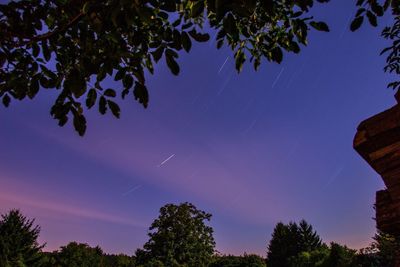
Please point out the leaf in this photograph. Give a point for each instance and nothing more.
(187, 25)
(33, 88)
(197, 8)
(75, 83)
(320, 26)
(360, 11)
(385, 50)
(120, 74)
(102, 105)
(372, 19)
(199, 37)
(240, 59)
(62, 121)
(35, 50)
(186, 42)
(356, 23)
(171, 63)
(109, 92)
(79, 123)
(115, 110)
(6, 100)
(277, 54)
(91, 98)
(229, 24)
(46, 51)
(360, 2)
(124, 93)
(257, 63)
(177, 40)
(157, 54)
(127, 81)
(377, 9)
(141, 94)
(294, 47)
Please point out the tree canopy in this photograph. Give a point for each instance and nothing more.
(18, 241)
(74, 46)
(370, 10)
(289, 240)
(75, 255)
(179, 236)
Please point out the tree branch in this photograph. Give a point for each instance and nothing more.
(50, 34)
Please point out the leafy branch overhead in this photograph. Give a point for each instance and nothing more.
(372, 9)
(74, 46)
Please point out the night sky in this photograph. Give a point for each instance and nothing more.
(252, 149)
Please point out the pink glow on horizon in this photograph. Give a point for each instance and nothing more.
(65, 209)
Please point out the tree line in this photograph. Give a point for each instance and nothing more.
(181, 237)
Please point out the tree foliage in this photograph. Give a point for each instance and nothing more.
(382, 252)
(18, 241)
(76, 254)
(247, 260)
(74, 46)
(372, 9)
(179, 237)
(289, 240)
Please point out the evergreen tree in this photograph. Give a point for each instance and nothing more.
(288, 241)
(309, 239)
(18, 241)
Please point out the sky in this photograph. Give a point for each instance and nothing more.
(252, 149)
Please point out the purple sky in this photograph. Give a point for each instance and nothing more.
(252, 149)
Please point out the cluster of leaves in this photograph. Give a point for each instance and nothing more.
(373, 9)
(18, 241)
(74, 46)
(179, 236)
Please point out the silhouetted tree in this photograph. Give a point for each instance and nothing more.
(313, 258)
(288, 241)
(18, 241)
(74, 46)
(76, 255)
(382, 252)
(309, 239)
(179, 237)
(340, 256)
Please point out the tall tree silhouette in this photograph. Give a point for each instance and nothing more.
(288, 241)
(179, 236)
(18, 241)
